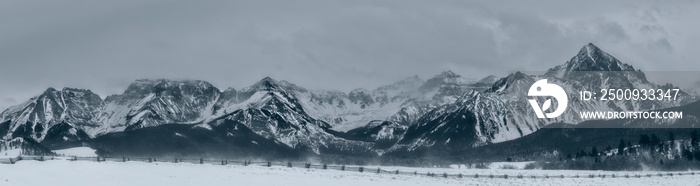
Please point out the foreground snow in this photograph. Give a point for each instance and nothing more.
(89, 173)
(11, 153)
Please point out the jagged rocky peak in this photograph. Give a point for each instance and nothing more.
(76, 90)
(590, 58)
(270, 84)
(142, 86)
(90, 99)
(152, 102)
(53, 105)
(266, 83)
(49, 92)
(168, 87)
(68, 93)
(593, 68)
(510, 80)
(34, 117)
(444, 78)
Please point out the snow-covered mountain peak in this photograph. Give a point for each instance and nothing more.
(36, 117)
(514, 82)
(53, 93)
(266, 83)
(152, 102)
(75, 90)
(49, 90)
(165, 87)
(141, 86)
(589, 58)
(270, 84)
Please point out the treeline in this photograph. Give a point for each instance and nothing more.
(649, 152)
(8, 145)
(27, 147)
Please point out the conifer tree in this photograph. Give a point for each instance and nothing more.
(621, 148)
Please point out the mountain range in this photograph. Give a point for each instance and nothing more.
(276, 118)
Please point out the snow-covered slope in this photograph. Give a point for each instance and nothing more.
(401, 102)
(40, 114)
(476, 119)
(153, 102)
(273, 111)
(145, 103)
(502, 112)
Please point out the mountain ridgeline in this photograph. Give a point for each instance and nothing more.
(277, 119)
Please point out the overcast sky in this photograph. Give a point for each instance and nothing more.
(342, 45)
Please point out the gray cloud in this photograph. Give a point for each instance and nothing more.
(104, 45)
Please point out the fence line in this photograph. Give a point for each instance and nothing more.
(377, 170)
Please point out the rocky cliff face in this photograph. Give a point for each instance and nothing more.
(36, 117)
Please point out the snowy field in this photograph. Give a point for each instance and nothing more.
(77, 151)
(90, 173)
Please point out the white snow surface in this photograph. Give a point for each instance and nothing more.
(11, 153)
(53, 172)
(77, 151)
